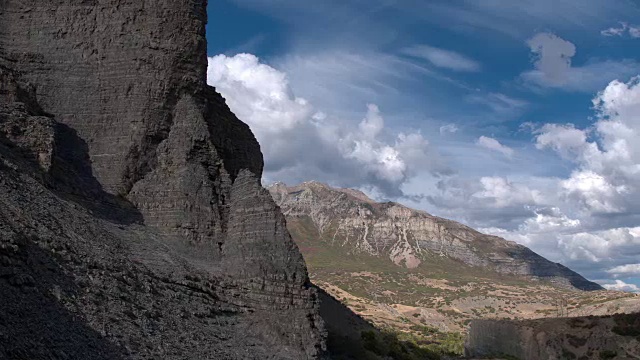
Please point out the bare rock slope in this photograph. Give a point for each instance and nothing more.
(410, 238)
(132, 219)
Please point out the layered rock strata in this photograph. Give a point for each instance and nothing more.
(408, 237)
(132, 219)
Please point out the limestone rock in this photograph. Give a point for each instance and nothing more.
(348, 218)
(132, 219)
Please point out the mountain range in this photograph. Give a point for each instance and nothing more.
(419, 274)
(349, 220)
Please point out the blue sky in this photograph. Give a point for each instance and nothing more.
(507, 118)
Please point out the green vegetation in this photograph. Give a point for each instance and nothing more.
(387, 344)
(441, 291)
(399, 345)
(424, 343)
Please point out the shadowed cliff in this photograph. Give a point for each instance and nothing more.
(133, 218)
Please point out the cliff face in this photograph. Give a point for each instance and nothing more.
(605, 337)
(349, 219)
(132, 217)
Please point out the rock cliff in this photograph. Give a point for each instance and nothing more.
(132, 219)
(604, 337)
(410, 238)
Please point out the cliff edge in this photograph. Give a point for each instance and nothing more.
(132, 219)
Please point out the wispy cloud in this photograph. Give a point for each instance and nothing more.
(519, 20)
(500, 104)
(448, 129)
(494, 145)
(624, 29)
(443, 58)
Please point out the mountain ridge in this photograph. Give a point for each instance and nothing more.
(404, 233)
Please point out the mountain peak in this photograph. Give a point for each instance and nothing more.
(410, 237)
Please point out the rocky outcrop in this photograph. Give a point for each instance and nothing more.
(606, 337)
(132, 219)
(347, 218)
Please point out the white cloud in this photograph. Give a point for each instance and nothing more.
(448, 129)
(372, 124)
(558, 237)
(501, 104)
(504, 193)
(552, 56)
(553, 66)
(589, 77)
(494, 145)
(627, 269)
(443, 58)
(568, 141)
(475, 18)
(615, 31)
(258, 94)
(594, 192)
(609, 165)
(619, 285)
(632, 30)
(587, 219)
(609, 246)
(301, 142)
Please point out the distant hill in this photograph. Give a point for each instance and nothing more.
(326, 220)
(423, 277)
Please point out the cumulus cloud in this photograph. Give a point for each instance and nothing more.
(494, 145)
(504, 193)
(257, 93)
(587, 219)
(568, 141)
(552, 56)
(552, 60)
(627, 269)
(561, 238)
(491, 201)
(542, 231)
(594, 192)
(608, 171)
(443, 58)
(301, 142)
(619, 285)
